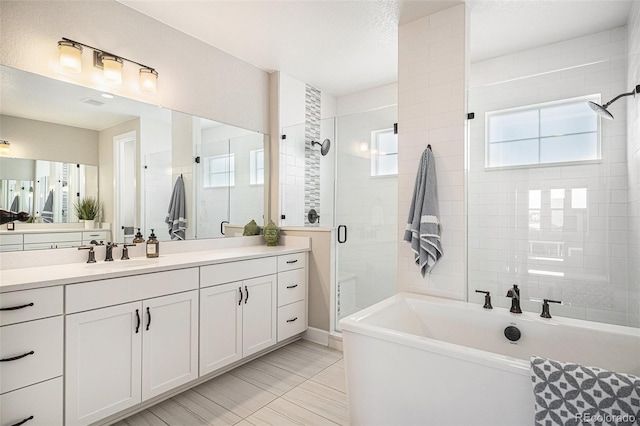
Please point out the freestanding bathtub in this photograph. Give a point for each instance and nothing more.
(420, 360)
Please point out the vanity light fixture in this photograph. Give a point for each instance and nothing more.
(111, 65)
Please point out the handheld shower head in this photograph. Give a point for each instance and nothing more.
(601, 110)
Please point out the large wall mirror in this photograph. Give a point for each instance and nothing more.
(75, 142)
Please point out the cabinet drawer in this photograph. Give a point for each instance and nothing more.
(291, 286)
(30, 304)
(236, 271)
(292, 320)
(41, 341)
(291, 261)
(10, 239)
(98, 294)
(54, 237)
(11, 247)
(42, 401)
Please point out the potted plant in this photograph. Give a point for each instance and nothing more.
(87, 209)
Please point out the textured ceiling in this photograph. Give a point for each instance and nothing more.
(342, 47)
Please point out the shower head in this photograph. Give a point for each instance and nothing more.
(324, 146)
(601, 110)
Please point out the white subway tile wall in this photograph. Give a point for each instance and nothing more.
(633, 163)
(556, 231)
(431, 110)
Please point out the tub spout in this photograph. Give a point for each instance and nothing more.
(514, 294)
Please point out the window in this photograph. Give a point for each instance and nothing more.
(256, 167)
(553, 132)
(219, 171)
(384, 153)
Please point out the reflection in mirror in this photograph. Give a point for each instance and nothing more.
(50, 120)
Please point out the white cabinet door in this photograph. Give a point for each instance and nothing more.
(258, 314)
(103, 356)
(169, 342)
(220, 326)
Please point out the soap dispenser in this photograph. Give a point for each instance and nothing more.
(153, 246)
(138, 237)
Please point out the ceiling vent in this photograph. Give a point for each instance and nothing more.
(91, 101)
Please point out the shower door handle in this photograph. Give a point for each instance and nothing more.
(222, 226)
(343, 239)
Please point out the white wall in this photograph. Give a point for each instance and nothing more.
(633, 163)
(587, 245)
(233, 91)
(39, 140)
(367, 100)
(431, 110)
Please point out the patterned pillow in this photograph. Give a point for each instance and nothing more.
(571, 394)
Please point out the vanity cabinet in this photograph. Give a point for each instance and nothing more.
(237, 319)
(119, 356)
(31, 349)
(292, 295)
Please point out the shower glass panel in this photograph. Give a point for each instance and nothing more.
(215, 176)
(292, 166)
(157, 194)
(366, 210)
(551, 214)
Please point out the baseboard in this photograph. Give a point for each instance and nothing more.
(335, 341)
(316, 335)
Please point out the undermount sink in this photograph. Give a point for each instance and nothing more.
(117, 264)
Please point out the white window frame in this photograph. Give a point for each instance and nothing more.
(229, 171)
(594, 98)
(375, 154)
(256, 168)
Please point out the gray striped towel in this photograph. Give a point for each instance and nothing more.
(177, 215)
(423, 225)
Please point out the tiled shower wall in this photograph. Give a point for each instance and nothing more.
(431, 107)
(311, 152)
(575, 253)
(633, 162)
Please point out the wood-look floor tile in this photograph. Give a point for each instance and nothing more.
(206, 409)
(301, 360)
(143, 418)
(332, 376)
(268, 377)
(306, 347)
(175, 414)
(322, 400)
(236, 395)
(284, 413)
(244, 423)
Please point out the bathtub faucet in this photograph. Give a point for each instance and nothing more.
(514, 294)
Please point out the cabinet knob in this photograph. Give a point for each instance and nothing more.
(292, 286)
(13, 308)
(292, 320)
(15, 358)
(23, 421)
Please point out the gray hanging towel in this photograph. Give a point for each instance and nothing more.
(573, 394)
(423, 225)
(177, 215)
(15, 205)
(47, 210)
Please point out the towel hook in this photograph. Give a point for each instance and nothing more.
(429, 147)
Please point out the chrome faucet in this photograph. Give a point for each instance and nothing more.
(109, 252)
(514, 294)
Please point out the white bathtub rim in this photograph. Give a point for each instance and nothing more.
(355, 324)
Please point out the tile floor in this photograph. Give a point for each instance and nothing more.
(300, 384)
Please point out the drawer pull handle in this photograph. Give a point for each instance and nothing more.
(138, 321)
(148, 318)
(240, 301)
(292, 320)
(17, 357)
(292, 261)
(24, 421)
(13, 308)
(246, 294)
(292, 286)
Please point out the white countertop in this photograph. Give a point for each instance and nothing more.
(46, 276)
